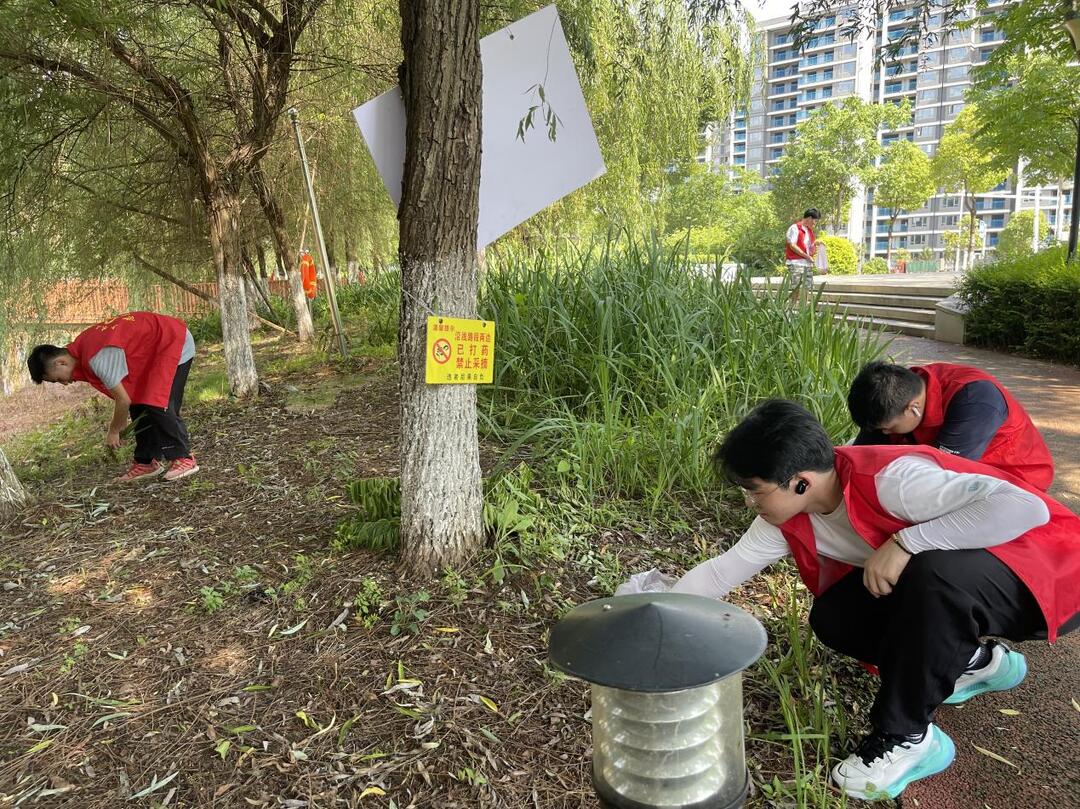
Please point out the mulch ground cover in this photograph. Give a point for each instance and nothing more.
(197, 644)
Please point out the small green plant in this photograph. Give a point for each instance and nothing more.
(70, 624)
(73, 657)
(368, 602)
(409, 614)
(356, 533)
(251, 475)
(470, 776)
(875, 266)
(245, 574)
(455, 587)
(211, 600)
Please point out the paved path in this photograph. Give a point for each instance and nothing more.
(1043, 740)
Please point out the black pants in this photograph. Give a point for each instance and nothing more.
(160, 433)
(923, 634)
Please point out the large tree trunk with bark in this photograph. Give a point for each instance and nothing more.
(12, 493)
(441, 496)
(275, 218)
(224, 210)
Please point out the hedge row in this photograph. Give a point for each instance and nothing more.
(1030, 305)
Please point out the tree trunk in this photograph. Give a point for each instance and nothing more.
(275, 218)
(969, 201)
(441, 497)
(352, 266)
(224, 241)
(12, 493)
(888, 242)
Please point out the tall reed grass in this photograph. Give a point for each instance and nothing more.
(624, 364)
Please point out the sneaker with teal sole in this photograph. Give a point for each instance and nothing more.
(1005, 670)
(884, 765)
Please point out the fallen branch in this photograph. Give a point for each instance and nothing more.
(198, 293)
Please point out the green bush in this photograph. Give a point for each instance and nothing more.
(1029, 304)
(875, 266)
(842, 255)
(206, 328)
(707, 241)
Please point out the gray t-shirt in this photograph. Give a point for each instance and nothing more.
(110, 363)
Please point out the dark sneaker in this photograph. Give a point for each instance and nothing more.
(885, 764)
(1006, 669)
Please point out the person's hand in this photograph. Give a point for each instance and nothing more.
(883, 568)
(112, 439)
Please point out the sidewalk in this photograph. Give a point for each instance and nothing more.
(1043, 740)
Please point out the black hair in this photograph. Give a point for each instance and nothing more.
(39, 359)
(776, 441)
(880, 393)
(811, 213)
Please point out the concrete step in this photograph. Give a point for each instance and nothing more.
(895, 313)
(870, 299)
(889, 324)
(940, 289)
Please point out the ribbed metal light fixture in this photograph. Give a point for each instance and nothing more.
(667, 707)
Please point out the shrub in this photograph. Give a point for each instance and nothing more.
(702, 241)
(842, 255)
(1029, 304)
(206, 328)
(875, 266)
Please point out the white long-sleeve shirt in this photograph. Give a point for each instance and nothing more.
(948, 511)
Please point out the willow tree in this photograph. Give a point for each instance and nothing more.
(209, 80)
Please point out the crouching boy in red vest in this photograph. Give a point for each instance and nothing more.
(956, 408)
(141, 361)
(913, 556)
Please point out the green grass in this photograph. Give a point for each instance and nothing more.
(624, 366)
(58, 453)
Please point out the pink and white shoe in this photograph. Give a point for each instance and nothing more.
(181, 468)
(140, 472)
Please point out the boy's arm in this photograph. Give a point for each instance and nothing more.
(760, 546)
(972, 419)
(955, 510)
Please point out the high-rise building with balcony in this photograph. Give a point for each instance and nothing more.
(935, 78)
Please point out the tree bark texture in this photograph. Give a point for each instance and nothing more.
(12, 493)
(225, 243)
(441, 496)
(275, 218)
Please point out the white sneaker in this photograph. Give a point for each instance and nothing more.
(1005, 670)
(884, 764)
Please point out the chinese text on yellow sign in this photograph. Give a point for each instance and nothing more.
(459, 351)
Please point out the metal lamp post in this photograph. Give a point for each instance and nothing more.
(667, 707)
(1072, 25)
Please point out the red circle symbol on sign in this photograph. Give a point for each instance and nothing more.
(441, 351)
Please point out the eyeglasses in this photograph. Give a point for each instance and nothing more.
(758, 497)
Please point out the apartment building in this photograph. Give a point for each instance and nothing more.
(793, 82)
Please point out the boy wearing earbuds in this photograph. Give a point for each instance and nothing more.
(956, 408)
(913, 556)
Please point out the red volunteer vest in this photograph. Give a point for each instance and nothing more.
(805, 241)
(152, 346)
(1017, 448)
(1046, 559)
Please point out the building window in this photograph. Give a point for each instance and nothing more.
(927, 96)
(925, 114)
(957, 55)
(955, 93)
(956, 73)
(989, 35)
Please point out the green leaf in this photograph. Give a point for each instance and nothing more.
(222, 748)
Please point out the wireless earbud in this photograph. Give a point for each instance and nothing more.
(915, 410)
(800, 487)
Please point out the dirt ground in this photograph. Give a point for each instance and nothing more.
(197, 644)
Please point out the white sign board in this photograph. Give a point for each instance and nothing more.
(518, 178)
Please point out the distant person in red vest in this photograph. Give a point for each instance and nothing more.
(141, 361)
(800, 250)
(956, 408)
(914, 558)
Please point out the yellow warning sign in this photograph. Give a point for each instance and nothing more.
(460, 351)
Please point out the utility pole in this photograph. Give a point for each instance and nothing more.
(331, 293)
